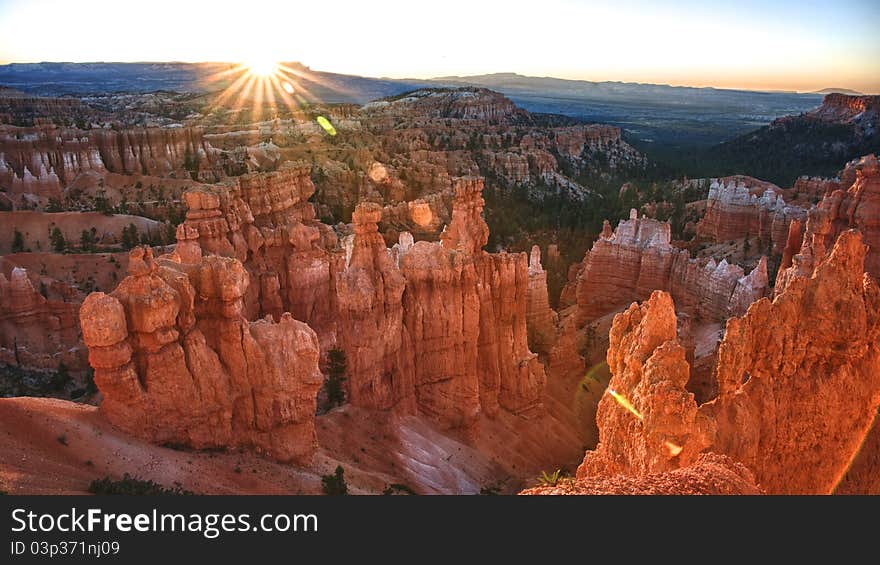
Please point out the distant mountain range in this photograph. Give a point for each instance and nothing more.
(656, 118)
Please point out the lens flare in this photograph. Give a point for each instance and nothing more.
(325, 123)
(849, 463)
(622, 400)
(673, 448)
(288, 88)
(377, 172)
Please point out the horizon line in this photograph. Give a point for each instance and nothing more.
(820, 91)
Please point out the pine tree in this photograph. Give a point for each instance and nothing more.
(337, 365)
(334, 484)
(57, 239)
(130, 236)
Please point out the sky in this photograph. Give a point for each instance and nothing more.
(802, 45)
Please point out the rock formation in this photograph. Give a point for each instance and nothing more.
(747, 208)
(435, 328)
(264, 220)
(798, 379)
(459, 103)
(410, 147)
(177, 363)
(36, 331)
(845, 108)
(710, 474)
(638, 258)
(369, 294)
(465, 311)
(27, 160)
(857, 207)
(540, 318)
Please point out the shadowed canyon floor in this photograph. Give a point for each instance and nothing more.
(72, 444)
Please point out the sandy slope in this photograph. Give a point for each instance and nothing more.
(54, 446)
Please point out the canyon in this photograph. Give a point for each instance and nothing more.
(207, 277)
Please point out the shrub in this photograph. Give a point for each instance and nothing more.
(334, 484)
(398, 488)
(132, 486)
(552, 479)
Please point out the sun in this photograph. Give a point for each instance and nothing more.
(262, 67)
(264, 85)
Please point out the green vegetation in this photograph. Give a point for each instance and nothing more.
(337, 365)
(57, 240)
(102, 204)
(132, 486)
(54, 205)
(88, 240)
(23, 381)
(553, 479)
(779, 153)
(334, 484)
(398, 488)
(130, 236)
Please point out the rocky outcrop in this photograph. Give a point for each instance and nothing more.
(52, 157)
(845, 108)
(369, 296)
(436, 328)
(177, 363)
(36, 331)
(266, 221)
(465, 311)
(857, 207)
(747, 208)
(798, 378)
(409, 147)
(67, 152)
(460, 103)
(540, 318)
(638, 258)
(710, 474)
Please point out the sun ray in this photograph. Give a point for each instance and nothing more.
(265, 87)
(259, 81)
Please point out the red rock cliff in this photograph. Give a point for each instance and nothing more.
(799, 384)
(638, 258)
(857, 207)
(177, 362)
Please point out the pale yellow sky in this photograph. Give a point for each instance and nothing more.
(788, 45)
